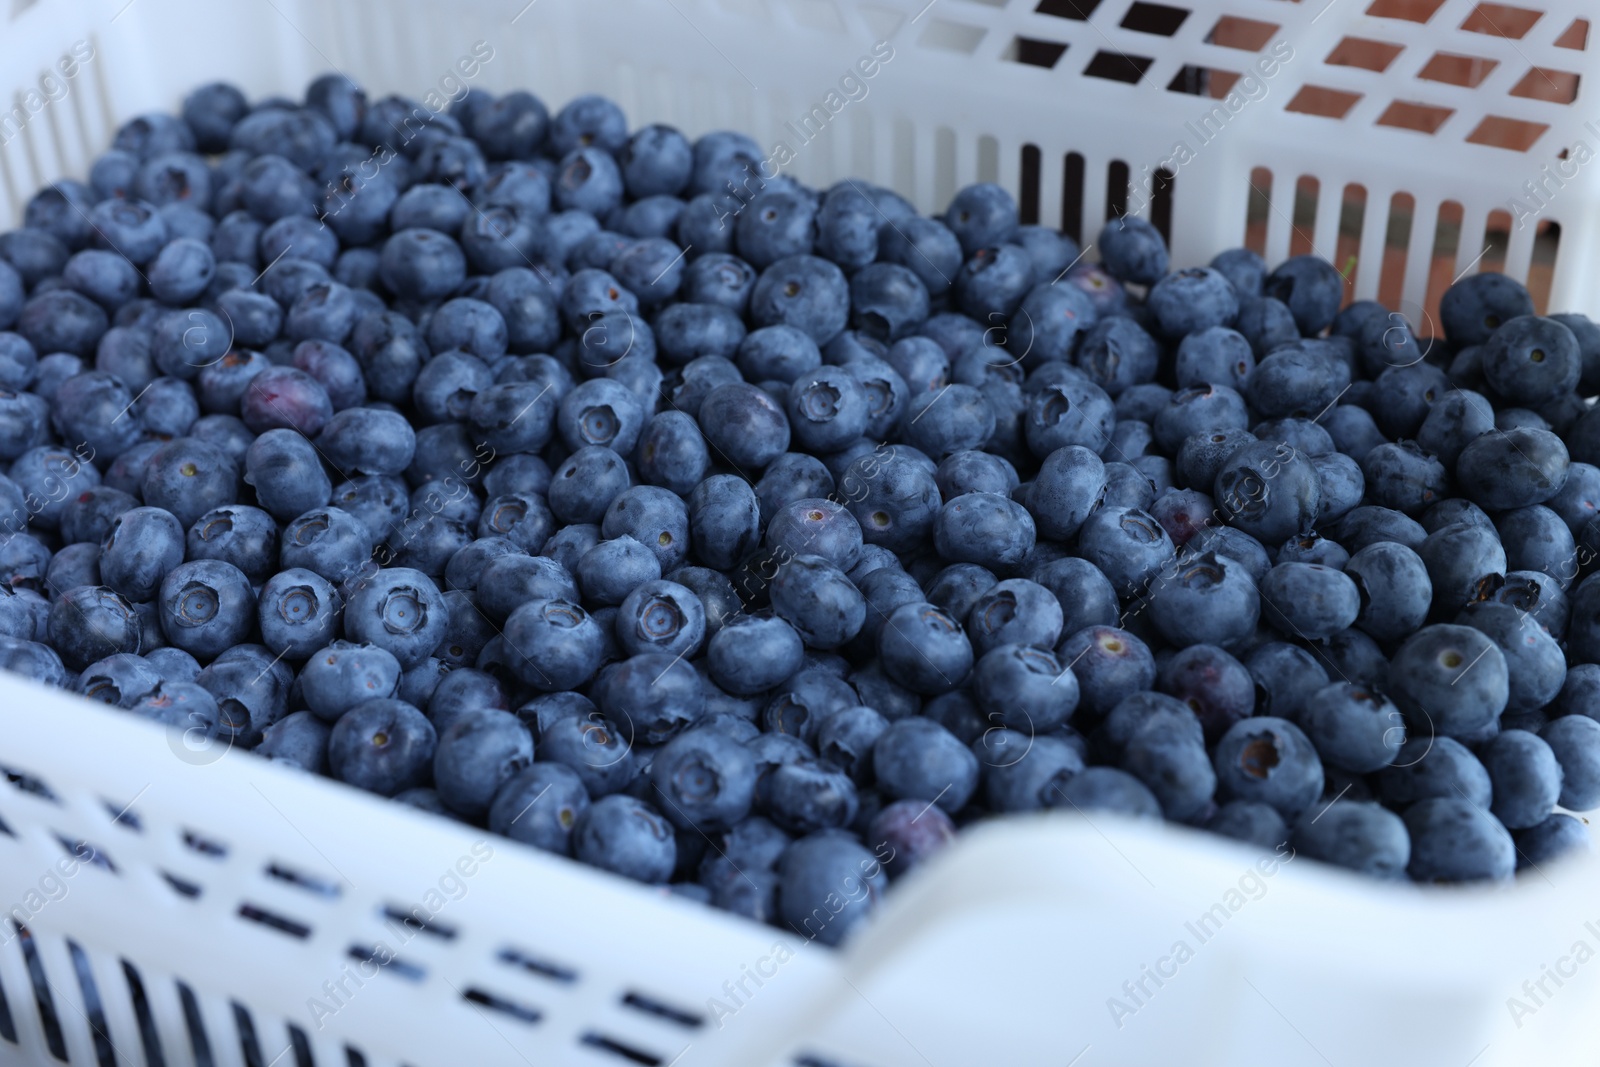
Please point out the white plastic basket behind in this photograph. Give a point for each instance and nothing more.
(197, 907)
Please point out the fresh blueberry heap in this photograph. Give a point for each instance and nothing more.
(728, 534)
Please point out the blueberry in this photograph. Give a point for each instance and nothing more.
(1450, 680)
(1512, 468)
(828, 885)
(1269, 760)
(655, 517)
(555, 644)
(1535, 665)
(142, 545)
(1575, 741)
(1311, 288)
(1109, 664)
(1174, 767)
(924, 649)
(625, 836)
(299, 612)
(1204, 596)
(1107, 789)
(743, 425)
(802, 291)
(1454, 840)
(384, 746)
(343, 674)
(1250, 821)
(703, 780)
(981, 216)
(1132, 250)
(329, 541)
(540, 805)
(1190, 301)
(299, 739)
(1559, 835)
(188, 478)
(986, 529)
(120, 680)
(286, 473)
(1473, 308)
(1269, 490)
(422, 264)
(239, 535)
(1128, 546)
(477, 754)
(1309, 600)
(399, 610)
(1394, 588)
(1359, 835)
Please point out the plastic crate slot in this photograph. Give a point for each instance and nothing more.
(1028, 185)
(5, 829)
(1159, 19)
(1407, 115)
(249, 1045)
(1501, 20)
(1257, 206)
(310, 883)
(1546, 250)
(1551, 86)
(27, 783)
(1077, 10)
(1072, 196)
(1303, 217)
(8, 1025)
(1365, 53)
(1397, 246)
(93, 1008)
(946, 36)
(84, 852)
(414, 925)
(46, 1004)
(1575, 36)
(1453, 68)
(1247, 35)
(661, 1010)
(1117, 67)
(1162, 197)
(811, 1059)
(409, 971)
(1201, 81)
(503, 1005)
(302, 1047)
(199, 1040)
(1324, 102)
(617, 1048)
(544, 968)
(1352, 220)
(353, 1057)
(149, 1038)
(1118, 174)
(1405, 10)
(204, 845)
(1033, 52)
(182, 886)
(124, 815)
(274, 921)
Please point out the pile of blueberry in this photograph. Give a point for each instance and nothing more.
(600, 489)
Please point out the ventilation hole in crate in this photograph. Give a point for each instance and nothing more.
(1552, 86)
(1575, 36)
(652, 1006)
(148, 1037)
(1454, 69)
(1347, 248)
(1077, 10)
(1028, 185)
(387, 961)
(1258, 205)
(1072, 196)
(988, 159)
(1249, 35)
(944, 165)
(1364, 53)
(204, 846)
(1447, 242)
(275, 921)
(27, 783)
(6, 829)
(413, 924)
(1501, 20)
(93, 1008)
(124, 815)
(1158, 19)
(310, 883)
(1541, 272)
(84, 852)
(1199, 81)
(1117, 67)
(811, 1059)
(1116, 205)
(182, 886)
(542, 967)
(951, 37)
(302, 1047)
(1423, 118)
(1161, 201)
(199, 1040)
(8, 1025)
(1407, 10)
(249, 1045)
(1396, 243)
(1499, 132)
(1303, 217)
(1033, 53)
(503, 1005)
(353, 1057)
(41, 993)
(1322, 101)
(1496, 242)
(617, 1048)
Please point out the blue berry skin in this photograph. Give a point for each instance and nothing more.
(743, 425)
(47, 476)
(1309, 600)
(672, 453)
(343, 674)
(1535, 664)
(802, 794)
(917, 759)
(1015, 611)
(611, 570)
(894, 498)
(181, 271)
(476, 755)
(329, 541)
(1269, 760)
(986, 529)
(1355, 728)
(1394, 588)
(887, 301)
(827, 409)
(1109, 664)
(656, 161)
(1269, 490)
(167, 407)
(1454, 840)
(661, 617)
(1211, 683)
(1459, 557)
(509, 582)
(816, 527)
(120, 680)
(958, 587)
(299, 612)
(974, 472)
(982, 215)
(828, 885)
(924, 246)
(286, 473)
(586, 483)
(540, 805)
(724, 521)
(845, 739)
(1214, 354)
(131, 228)
(1069, 413)
(1251, 822)
(955, 418)
(1107, 789)
(1579, 499)
(924, 649)
(655, 517)
(1206, 408)
(593, 749)
(818, 600)
(1358, 835)
(1525, 775)
(802, 291)
(1575, 741)
(447, 385)
(1472, 309)
(1132, 250)
(383, 746)
(422, 265)
(73, 565)
(239, 535)
(1173, 766)
(1558, 837)
(1204, 596)
(626, 836)
(1536, 539)
(803, 701)
(207, 607)
(1128, 546)
(554, 644)
(1192, 300)
(751, 655)
(1450, 680)
(992, 282)
(1505, 469)
(703, 780)
(105, 277)
(1433, 767)
(1027, 687)
(397, 609)
(1022, 772)
(188, 478)
(142, 545)
(719, 278)
(1069, 486)
(249, 695)
(299, 739)
(461, 691)
(1299, 379)
(909, 833)
(1311, 288)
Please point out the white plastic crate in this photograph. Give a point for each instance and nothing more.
(237, 902)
